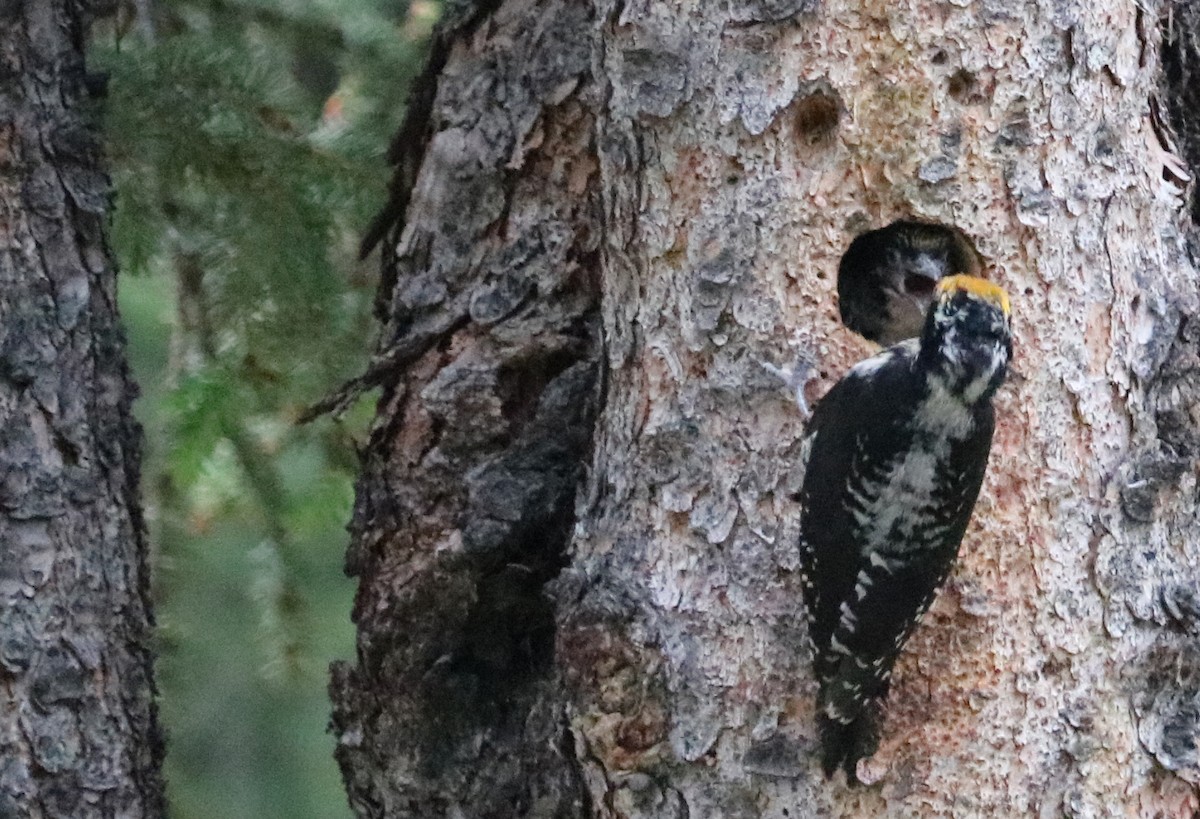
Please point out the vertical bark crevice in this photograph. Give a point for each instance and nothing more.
(1179, 53)
(1149, 581)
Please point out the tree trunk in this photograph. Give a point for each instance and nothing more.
(575, 537)
(78, 730)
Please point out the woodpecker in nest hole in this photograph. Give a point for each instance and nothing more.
(895, 454)
(887, 277)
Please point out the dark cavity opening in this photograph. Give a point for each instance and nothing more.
(887, 277)
(816, 115)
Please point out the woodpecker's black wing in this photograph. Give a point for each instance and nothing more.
(855, 427)
(892, 589)
(885, 502)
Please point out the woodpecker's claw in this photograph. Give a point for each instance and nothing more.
(795, 378)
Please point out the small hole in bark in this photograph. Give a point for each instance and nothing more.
(816, 117)
(961, 84)
(939, 57)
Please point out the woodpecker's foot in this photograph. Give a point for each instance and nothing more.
(796, 378)
(846, 745)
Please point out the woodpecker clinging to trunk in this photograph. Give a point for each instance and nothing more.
(895, 454)
(887, 277)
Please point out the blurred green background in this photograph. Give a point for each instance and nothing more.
(246, 140)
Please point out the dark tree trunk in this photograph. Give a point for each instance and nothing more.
(467, 496)
(1180, 93)
(613, 212)
(78, 730)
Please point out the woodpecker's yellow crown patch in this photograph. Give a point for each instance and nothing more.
(974, 286)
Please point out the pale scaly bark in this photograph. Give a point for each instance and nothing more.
(79, 736)
(740, 146)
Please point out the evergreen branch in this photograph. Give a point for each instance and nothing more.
(309, 28)
(414, 344)
(261, 474)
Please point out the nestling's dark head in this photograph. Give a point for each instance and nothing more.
(887, 277)
(968, 335)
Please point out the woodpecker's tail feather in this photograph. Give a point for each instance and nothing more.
(843, 744)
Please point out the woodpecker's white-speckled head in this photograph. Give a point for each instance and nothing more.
(967, 338)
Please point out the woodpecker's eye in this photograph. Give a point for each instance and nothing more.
(917, 285)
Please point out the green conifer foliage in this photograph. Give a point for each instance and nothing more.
(246, 142)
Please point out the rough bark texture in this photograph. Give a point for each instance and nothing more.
(466, 499)
(78, 731)
(734, 150)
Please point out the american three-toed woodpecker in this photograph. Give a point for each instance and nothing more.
(896, 453)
